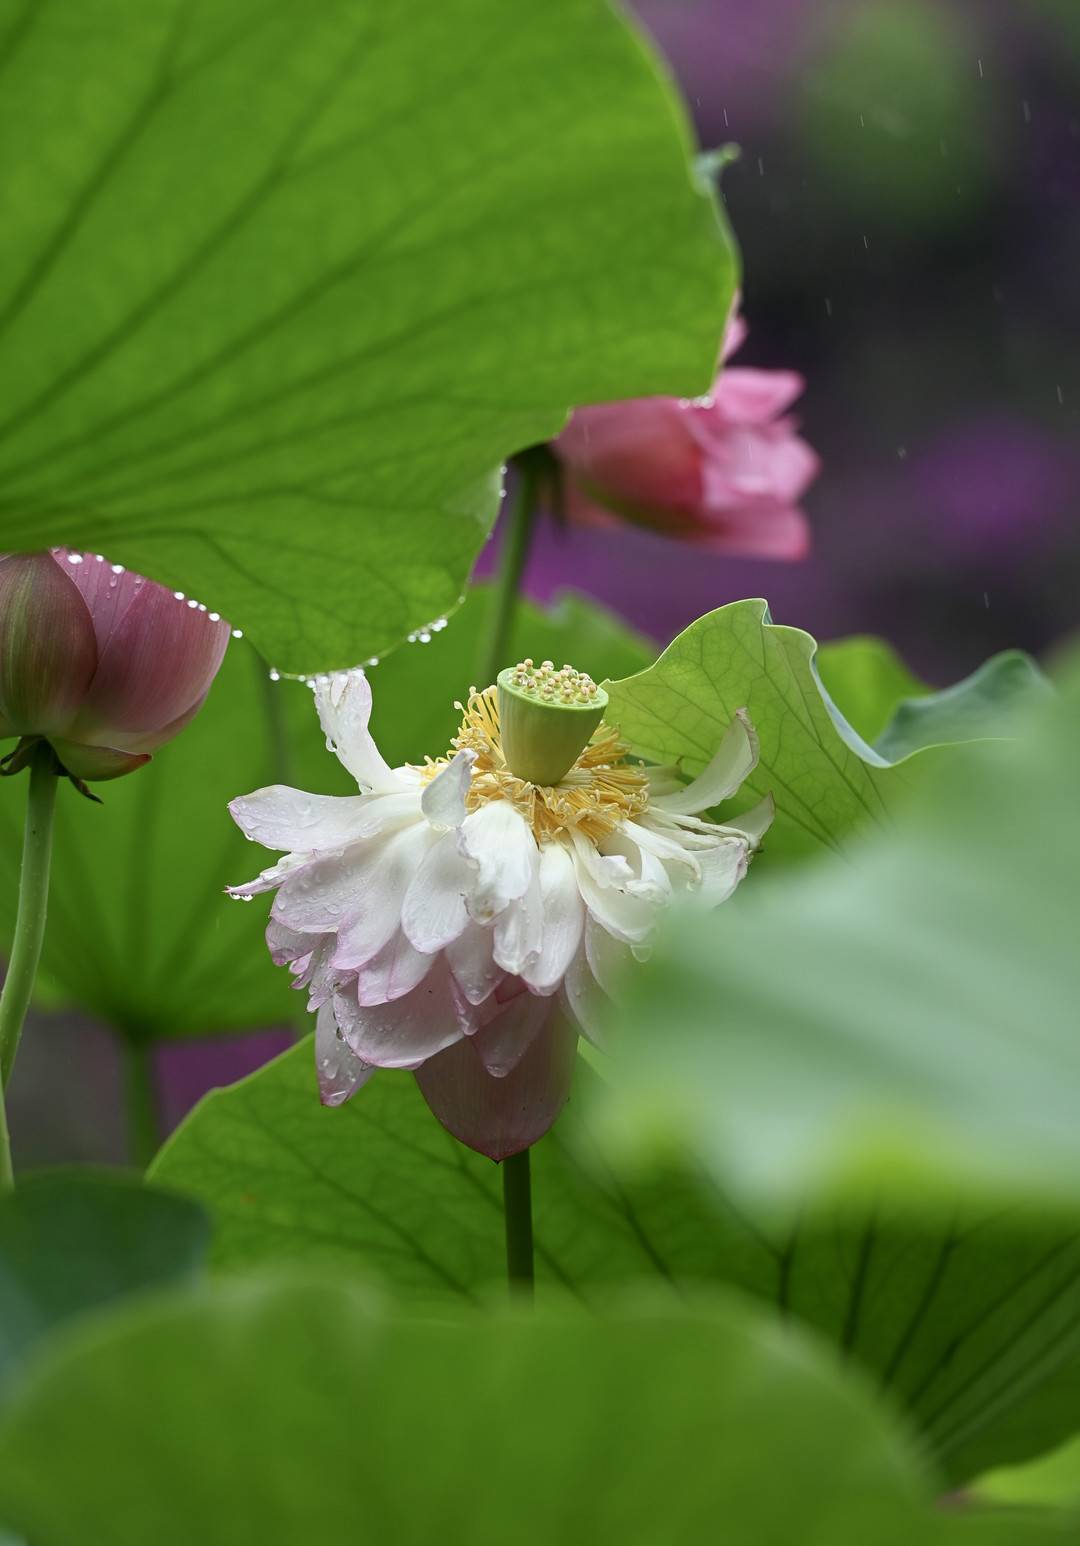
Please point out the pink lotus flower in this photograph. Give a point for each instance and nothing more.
(724, 471)
(100, 662)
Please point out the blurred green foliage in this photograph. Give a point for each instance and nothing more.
(893, 103)
(315, 1416)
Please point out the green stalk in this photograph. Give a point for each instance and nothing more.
(29, 924)
(141, 1102)
(521, 518)
(7, 1178)
(517, 1212)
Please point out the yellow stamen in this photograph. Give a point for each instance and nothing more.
(599, 793)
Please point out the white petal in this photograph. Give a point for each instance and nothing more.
(443, 801)
(319, 976)
(356, 895)
(664, 845)
(275, 876)
(472, 961)
(402, 1034)
(433, 910)
(609, 959)
(584, 1001)
(286, 944)
(755, 822)
(662, 781)
(564, 917)
(629, 918)
(343, 702)
(504, 1041)
(519, 928)
(650, 879)
(499, 844)
(735, 759)
(394, 971)
(722, 868)
(292, 821)
(340, 1072)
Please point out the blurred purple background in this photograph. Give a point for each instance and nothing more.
(907, 206)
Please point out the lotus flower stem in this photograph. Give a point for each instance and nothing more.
(517, 538)
(517, 1212)
(141, 1101)
(29, 923)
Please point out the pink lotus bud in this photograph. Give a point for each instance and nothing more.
(724, 471)
(102, 663)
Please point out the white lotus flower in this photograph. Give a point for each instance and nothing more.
(461, 922)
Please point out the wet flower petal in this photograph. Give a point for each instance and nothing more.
(471, 957)
(734, 761)
(468, 924)
(443, 801)
(499, 844)
(500, 1117)
(343, 703)
(564, 917)
(292, 821)
(406, 1031)
(433, 912)
(394, 971)
(340, 1072)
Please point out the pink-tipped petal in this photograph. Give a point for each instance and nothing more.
(763, 529)
(396, 970)
(340, 1072)
(401, 1034)
(501, 1117)
(48, 652)
(504, 1040)
(157, 663)
(744, 396)
(723, 471)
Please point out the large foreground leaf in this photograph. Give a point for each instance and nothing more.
(282, 285)
(294, 1412)
(961, 1319)
(823, 774)
(139, 931)
(72, 1241)
(902, 1022)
